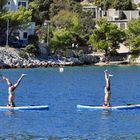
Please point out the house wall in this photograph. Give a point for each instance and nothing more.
(29, 31)
(136, 1)
(131, 14)
(12, 5)
(113, 14)
(121, 17)
(122, 24)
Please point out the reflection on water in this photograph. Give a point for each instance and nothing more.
(51, 137)
(21, 137)
(9, 112)
(105, 114)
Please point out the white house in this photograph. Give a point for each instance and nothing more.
(12, 5)
(136, 1)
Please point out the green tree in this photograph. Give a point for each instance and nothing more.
(2, 4)
(80, 26)
(106, 37)
(116, 4)
(78, 0)
(31, 48)
(87, 24)
(104, 4)
(2, 12)
(69, 5)
(61, 39)
(19, 19)
(33, 39)
(123, 4)
(133, 34)
(66, 19)
(40, 10)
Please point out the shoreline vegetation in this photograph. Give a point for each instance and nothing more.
(10, 58)
(69, 33)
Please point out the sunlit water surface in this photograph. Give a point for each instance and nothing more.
(62, 91)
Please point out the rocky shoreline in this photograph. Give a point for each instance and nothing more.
(9, 58)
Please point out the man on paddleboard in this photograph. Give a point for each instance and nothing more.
(107, 89)
(11, 89)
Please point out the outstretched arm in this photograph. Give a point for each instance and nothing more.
(19, 80)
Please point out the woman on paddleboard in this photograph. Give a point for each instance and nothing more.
(107, 89)
(11, 89)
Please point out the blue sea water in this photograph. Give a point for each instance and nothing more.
(62, 92)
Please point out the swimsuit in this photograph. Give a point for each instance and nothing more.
(11, 89)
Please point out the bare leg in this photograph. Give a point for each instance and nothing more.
(9, 83)
(106, 74)
(107, 90)
(107, 79)
(19, 80)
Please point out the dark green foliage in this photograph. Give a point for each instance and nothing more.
(122, 5)
(33, 39)
(62, 39)
(23, 54)
(30, 48)
(2, 3)
(104, 4)
(69, 5)
(133, 33)
(40, 10)
(66, 19)
(17, 20)
(87, 24)
(117, 4)
(106, 37)
(3, 28)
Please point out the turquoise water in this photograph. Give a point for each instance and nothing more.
(62, 92)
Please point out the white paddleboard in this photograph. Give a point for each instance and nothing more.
(44, 107)
(91, 107)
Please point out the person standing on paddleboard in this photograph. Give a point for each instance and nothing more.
(107, 89)
(11, 89)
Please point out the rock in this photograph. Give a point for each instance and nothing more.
(9, 58)
(89, 58)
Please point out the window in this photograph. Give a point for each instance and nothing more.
(25, 35)
(94, 14)
(22, 4)
(122, 25)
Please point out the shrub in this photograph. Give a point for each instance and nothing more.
(33, 39)
(31, 48)
(23, 54)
